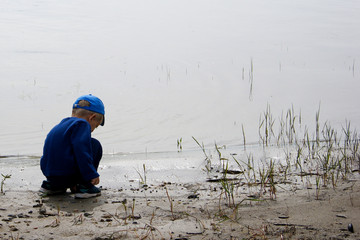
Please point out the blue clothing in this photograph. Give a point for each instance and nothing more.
(68, 151)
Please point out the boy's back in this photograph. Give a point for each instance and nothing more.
(61, 158)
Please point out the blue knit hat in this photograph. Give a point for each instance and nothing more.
(96, 105)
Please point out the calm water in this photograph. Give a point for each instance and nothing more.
(175, 69)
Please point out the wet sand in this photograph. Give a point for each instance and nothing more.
(195, 210)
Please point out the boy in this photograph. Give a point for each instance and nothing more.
(70, 155)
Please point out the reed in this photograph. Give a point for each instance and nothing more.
(317, 126)
(281, 132)
(347, 144)
(133, 209)
(317, 181)
(334, 178)
(323, 156)
(291, 125)
(125, 209)
(355, 147)
(266, 178)
(262, 176)
(250, 175)
(4, 177)
(299, 158)
(271, 181)
(151, 229)
(171, 204)
(179, 145)
(228, 187)
(308, 144)
(243, 134)
(142, 176)
(285, 170)
(325, 165)
(266, 123)
(221, 158)
(208, 164)
(251, 79)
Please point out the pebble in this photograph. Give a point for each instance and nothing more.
(21, 215)
(351, 228)
(193, 196)
(13, 228)
(88, 214)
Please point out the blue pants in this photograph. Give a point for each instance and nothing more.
(64, 182)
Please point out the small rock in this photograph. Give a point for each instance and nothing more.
(21, 215)
(88, 214)
(351, 228)
(193, 196)
(13, 228)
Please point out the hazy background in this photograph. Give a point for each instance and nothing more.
(171, 69)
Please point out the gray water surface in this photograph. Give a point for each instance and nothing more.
(175, 69)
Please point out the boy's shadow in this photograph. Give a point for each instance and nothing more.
(67, 203)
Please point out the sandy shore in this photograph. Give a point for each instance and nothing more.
(185, 211)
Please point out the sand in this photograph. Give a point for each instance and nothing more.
(186, 211)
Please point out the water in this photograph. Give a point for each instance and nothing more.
(132, 170)
(175, 69)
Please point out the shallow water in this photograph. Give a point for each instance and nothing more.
(175, 69)
(124, 171)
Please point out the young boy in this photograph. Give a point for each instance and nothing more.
(70, 155)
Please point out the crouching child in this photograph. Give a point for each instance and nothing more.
(71, 156)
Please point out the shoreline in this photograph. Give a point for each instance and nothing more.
(267, 193)
(185, 211)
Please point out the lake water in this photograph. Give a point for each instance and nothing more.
(167, 70)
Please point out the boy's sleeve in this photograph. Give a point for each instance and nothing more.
(81, 143)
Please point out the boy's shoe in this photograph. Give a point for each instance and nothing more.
(48, 190)
(83, 192)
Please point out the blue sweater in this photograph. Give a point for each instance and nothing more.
(67, 150)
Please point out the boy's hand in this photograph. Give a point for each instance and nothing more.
(95, 181)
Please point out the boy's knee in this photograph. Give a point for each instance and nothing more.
(96, 148)
(96, 144)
